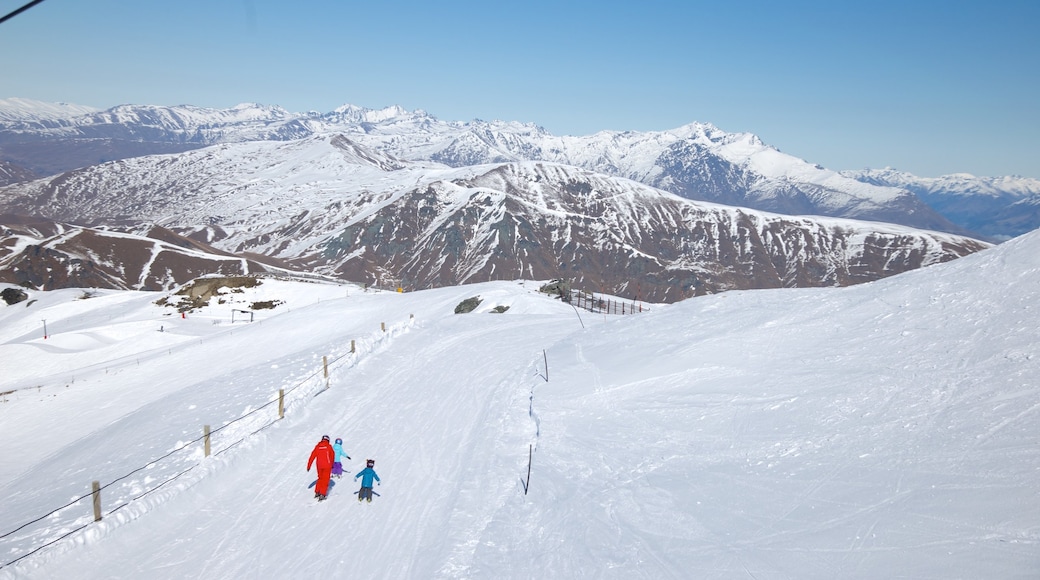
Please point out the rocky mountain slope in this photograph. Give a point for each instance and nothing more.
(332, 205)
(12, 173)
(43, 254)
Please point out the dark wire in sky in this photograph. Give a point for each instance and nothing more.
(19, 11)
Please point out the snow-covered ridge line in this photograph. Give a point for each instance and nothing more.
(15, 110)
(698, 160)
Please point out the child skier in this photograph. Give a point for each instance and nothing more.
(323, 455)
(337, 467)
(366, 476)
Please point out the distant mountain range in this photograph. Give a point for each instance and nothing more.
(391, 194)
(996, 208)
(697, 161)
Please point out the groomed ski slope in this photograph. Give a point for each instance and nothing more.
(888, 430)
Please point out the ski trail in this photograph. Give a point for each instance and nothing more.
(127, 499)
(381, 411)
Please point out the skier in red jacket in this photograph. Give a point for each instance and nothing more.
(324, 455)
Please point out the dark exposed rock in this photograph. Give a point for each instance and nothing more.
(13, 296)
(559, 288)
(265, 304)
(468, 305)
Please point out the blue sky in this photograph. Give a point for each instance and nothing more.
(923, 86)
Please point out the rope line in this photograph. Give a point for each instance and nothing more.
(79, 499)
(54, 541)
(131, 500)
(154, 461)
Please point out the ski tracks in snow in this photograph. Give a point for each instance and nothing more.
(138, 496)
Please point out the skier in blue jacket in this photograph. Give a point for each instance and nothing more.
(366, 476)
(337, 466)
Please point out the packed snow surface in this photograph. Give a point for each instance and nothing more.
(887, 430)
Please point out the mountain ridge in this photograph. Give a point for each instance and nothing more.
(333, 206)
(697, 160)
(43, 254)
(999, 208)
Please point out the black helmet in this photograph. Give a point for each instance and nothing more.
(324, 437)
(338, 440)
(370, 462)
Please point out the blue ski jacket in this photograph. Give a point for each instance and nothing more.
(338, 448)
(368, 474)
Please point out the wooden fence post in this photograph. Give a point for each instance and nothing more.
(205, 433)
(352, 350)
(383, 326)
(325, 365)
(281, 403)
(97, 500)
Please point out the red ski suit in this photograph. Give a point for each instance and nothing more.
(324, 455)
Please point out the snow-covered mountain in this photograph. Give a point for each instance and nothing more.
(532, 219)
(697, 161)
(997, 207)
(17, 110)
(701, 162)
(332, 205)
(884, 430)
(49, 144)
(146, 122)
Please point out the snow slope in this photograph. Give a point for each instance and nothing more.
(884, 430)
